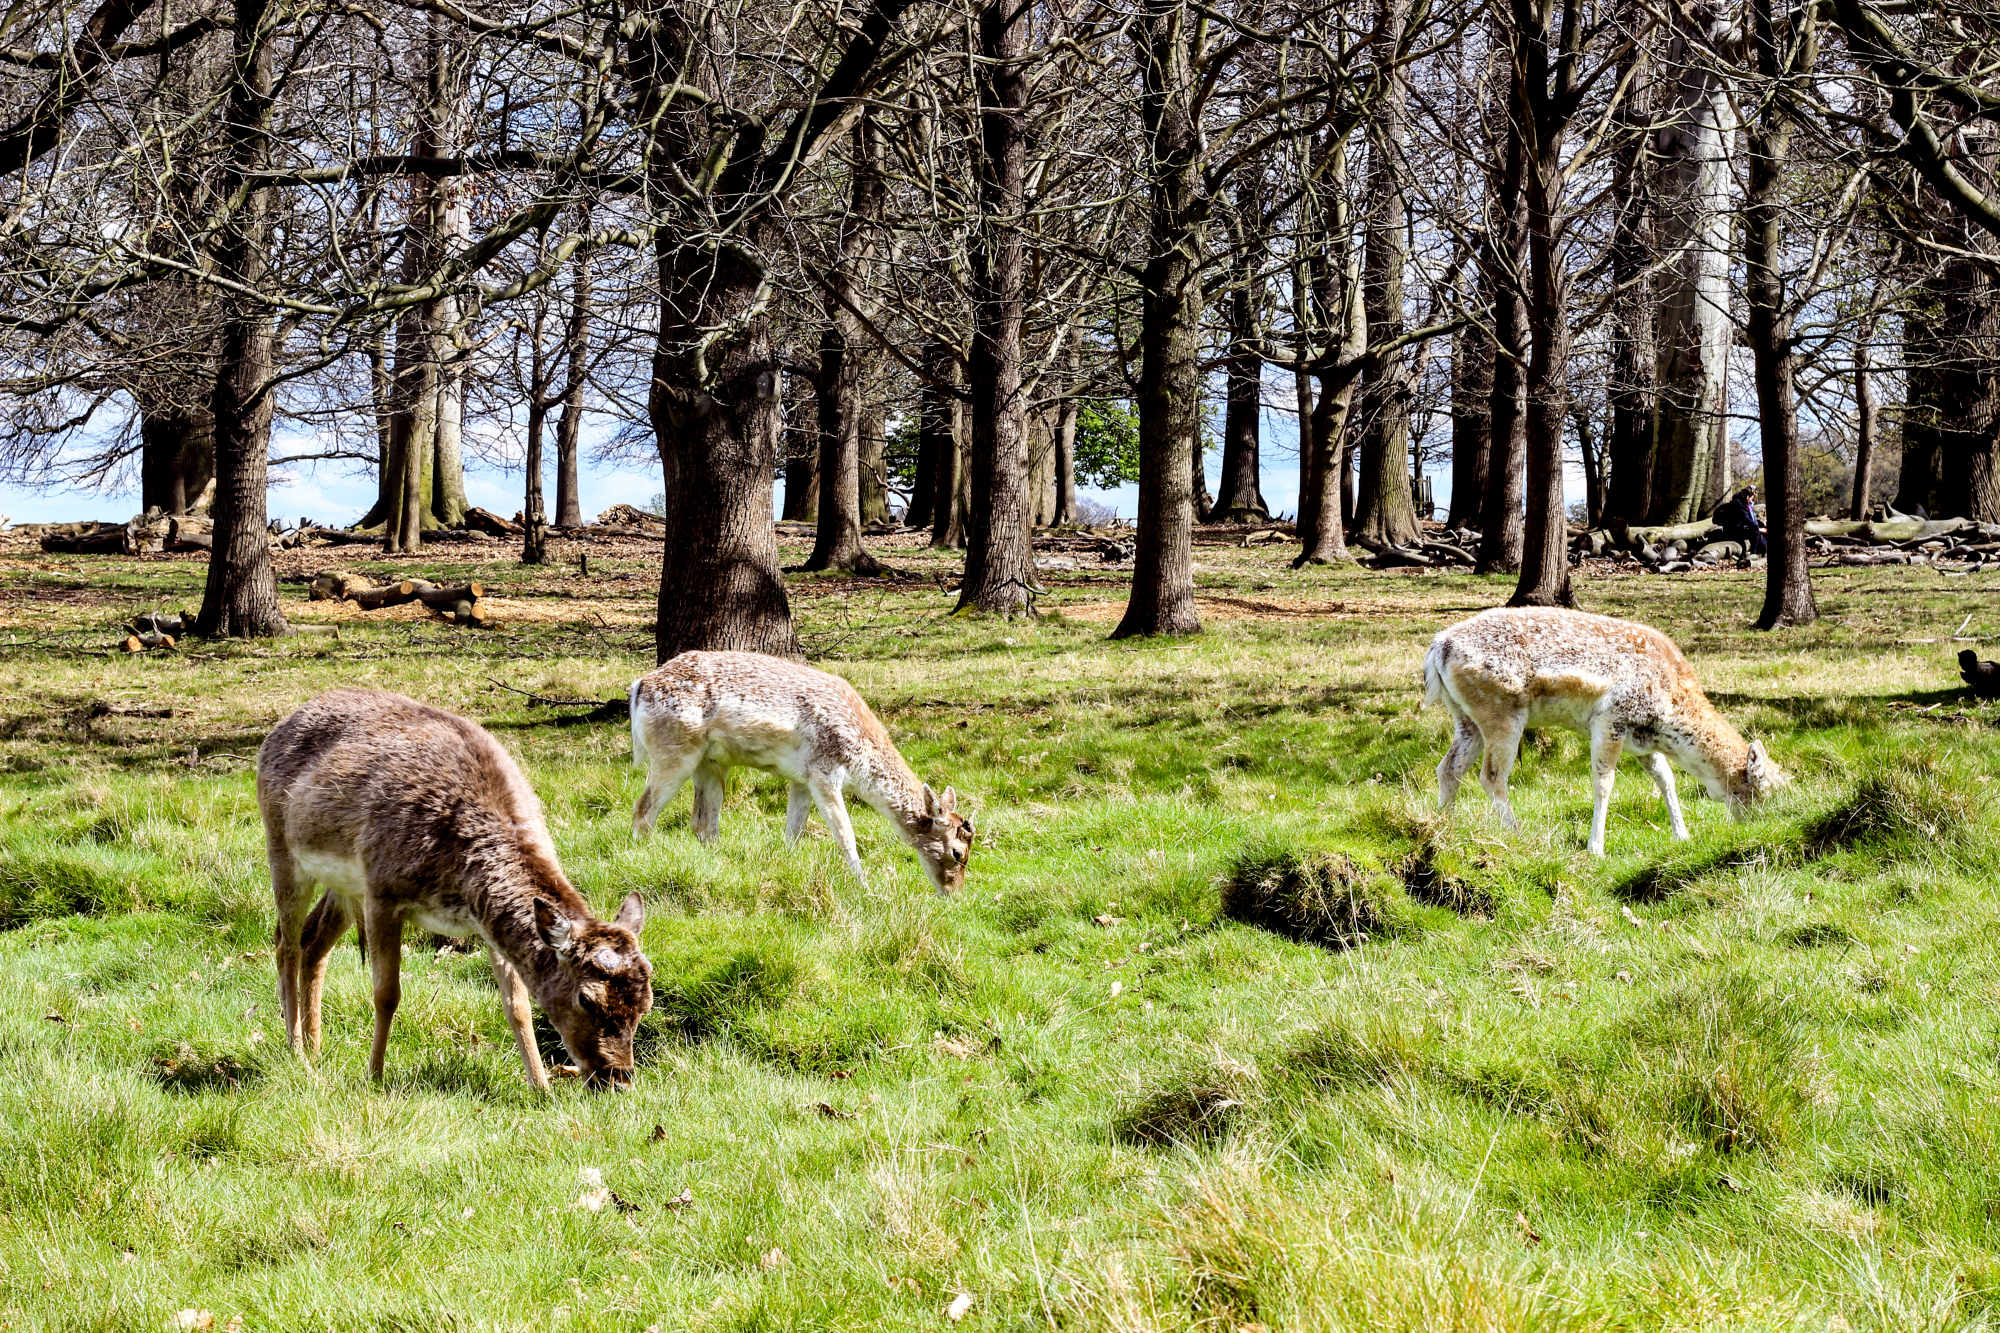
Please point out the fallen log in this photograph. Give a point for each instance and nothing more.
(136, 643)
(490, 523)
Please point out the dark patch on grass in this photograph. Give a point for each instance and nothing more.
(1873, 1189)
(1917, 804)
(1192, 1110)
(1335, 1056)
(1317, 897)
(1815, 935)
(35, 888)
(182, 1067)
(1428, 878)
(1686, 866)
(751, 979)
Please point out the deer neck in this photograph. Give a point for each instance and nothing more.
(509, 884)
(882, 779)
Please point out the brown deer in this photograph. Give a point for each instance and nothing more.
(404, 813)
(1619, 683)
(702, 714)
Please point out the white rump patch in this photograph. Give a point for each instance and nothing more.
(342, 874)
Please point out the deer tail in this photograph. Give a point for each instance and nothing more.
(1434, 672)
(638, 725)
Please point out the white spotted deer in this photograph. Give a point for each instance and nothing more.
(405, 814)
(1621, 684)
(701, 714)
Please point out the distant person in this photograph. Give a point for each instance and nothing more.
(1739, 522)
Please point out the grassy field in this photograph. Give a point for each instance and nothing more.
(1747, 1082)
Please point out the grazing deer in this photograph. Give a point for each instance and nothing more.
(702, 714)
(404, 813)
(1619, 683)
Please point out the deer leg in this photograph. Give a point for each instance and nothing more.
(1663, 775)
(1604, 748)
(798, 804)
(833, 809)
(1503, 744)
(291, 893)
(669, 771)
(1466, 744)
(520, 1017)
(323, 930)
(385, 960)
(708, 789)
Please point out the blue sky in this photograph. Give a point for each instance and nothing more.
(335, 495)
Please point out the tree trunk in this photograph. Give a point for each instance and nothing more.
(843, 370)
(1629, 393)
(569, 425)
(177, 456)
(1066, 416)
(999, 569)
(534, 528)
(1383, 512)
(1506, 273)
(800, 451)
(942, 419)
(1238, 495)
(1162, 598)
(241, 598)
(1788, 590)
(1866, 416)
(923, 486)
(874, 442)
(1545, 535)
(1471, 424)
(413, 429)
(1323, 501)
(1691, 436)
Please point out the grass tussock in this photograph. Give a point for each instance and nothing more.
(1195, 1107)
(1915, 807)
(1325, 897)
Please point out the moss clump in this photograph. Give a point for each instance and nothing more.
(1323, 897)
(33, 888)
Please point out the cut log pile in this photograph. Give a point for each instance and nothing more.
(1898, 539)
(461, 605)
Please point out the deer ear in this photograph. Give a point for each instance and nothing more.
(551, 925)
(930, 801)
(1755, 763)
(631, 913)
(951, 800)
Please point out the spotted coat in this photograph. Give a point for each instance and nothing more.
(1622, 684)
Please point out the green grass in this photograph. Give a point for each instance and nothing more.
(1748, 1081)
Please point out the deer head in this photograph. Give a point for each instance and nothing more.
(602, 987)
(943, 839)
(1758, 778)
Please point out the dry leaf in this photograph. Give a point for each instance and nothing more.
(127, 1257)
(590, 1177)
(682, 1200)
(841, 1075)
(625, 1205)
(1628, 914)
(832, 1112)
(191, 1319)
(959, 1305)
(1625, 977)
(958, 1048)
(466, 1216)
(1529, 1235)
(773, 1258)
(235, 1324)
(658, 1135)
(55, 1018)
(1106, 919)
(594, 1200)
(1117, 988)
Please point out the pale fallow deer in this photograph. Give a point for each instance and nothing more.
(701, 714)
(405, 814)
(1619, 683)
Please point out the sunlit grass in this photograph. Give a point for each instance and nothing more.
(1746, 1082)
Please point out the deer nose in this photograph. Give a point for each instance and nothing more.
(609, 1079)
